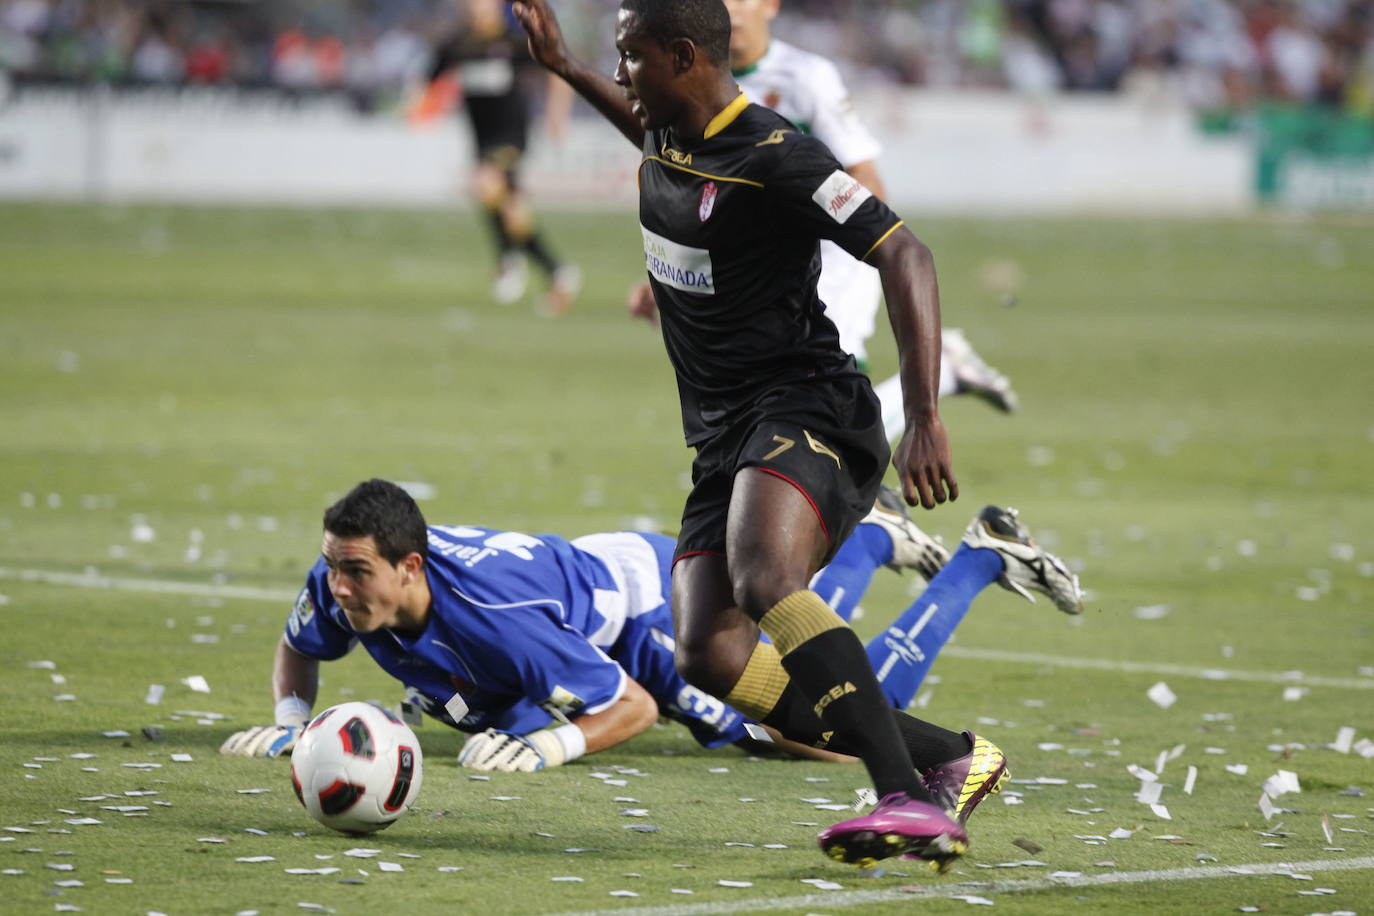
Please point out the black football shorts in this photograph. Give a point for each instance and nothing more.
(823, 436)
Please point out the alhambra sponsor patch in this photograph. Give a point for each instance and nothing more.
(840, 195)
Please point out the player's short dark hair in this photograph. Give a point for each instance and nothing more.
(386, 512)
(705, 22)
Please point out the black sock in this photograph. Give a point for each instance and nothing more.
(504, 243)
(849, 714)
(539, 252)
(927, 744)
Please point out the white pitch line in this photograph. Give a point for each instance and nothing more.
(838, 899)
(202, 589)
(250, 593)
(1208, 674)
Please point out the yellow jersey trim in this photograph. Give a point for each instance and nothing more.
(683, 168)
(727, 114)
(883, 238)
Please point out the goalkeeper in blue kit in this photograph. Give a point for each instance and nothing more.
(547, 649)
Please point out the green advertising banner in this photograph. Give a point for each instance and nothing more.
(1312, 157)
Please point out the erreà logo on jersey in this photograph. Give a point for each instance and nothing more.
(708, 201)
(678, 266)
(840, 195)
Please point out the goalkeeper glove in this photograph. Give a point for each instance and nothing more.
(262, 741)
(510, 753)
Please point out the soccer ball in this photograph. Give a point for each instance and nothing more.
(356, 768)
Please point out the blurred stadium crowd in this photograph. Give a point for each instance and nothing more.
(1208, 53)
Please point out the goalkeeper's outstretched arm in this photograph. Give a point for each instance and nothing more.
(294, 676)
(295, 681)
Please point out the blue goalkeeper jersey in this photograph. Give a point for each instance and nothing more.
(526, 630)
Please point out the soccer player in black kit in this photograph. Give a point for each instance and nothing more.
(789, 440)
(488, 53)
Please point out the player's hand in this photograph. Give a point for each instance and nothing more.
(640, 302)
(262, 741)
(545, 36)
(923, 464)
(509, 753)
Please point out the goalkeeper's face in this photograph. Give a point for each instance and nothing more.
(370, 590)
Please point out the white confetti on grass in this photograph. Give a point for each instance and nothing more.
(1345, 739)
(390, 866)
(723, 882)
(1161, 695)
(1281, 783)
(197, 683)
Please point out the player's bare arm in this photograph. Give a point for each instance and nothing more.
(294, 675)
(634, 712)
(295, 681)
(492, 749)
(548, 48)
(922, 457)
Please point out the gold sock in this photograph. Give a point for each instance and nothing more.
(797, 618)
(762, 683)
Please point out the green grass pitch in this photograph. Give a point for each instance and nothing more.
(183, 391)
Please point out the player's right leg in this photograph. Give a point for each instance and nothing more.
(972, 375)
(962, 371)
(493, 190)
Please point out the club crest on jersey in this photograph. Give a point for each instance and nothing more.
(708, 201)
(301, 612)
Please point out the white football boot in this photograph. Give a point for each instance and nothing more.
(1027, 567)
(511, 279)
(912, 548)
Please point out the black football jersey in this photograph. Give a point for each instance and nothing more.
(731, 224)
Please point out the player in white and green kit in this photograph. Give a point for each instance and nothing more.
(807, 90)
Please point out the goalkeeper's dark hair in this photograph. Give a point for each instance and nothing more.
(386, 512)
(705, 22)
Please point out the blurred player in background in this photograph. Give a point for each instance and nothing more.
(486, 62)
(807, 90)
(548, 649)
